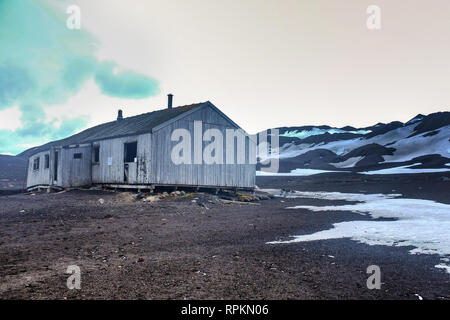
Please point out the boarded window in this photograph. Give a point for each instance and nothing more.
(130, 151)
(96, 154)
(77, 155)
(36, 163)
(47, 161)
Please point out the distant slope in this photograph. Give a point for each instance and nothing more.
(423, 139)
(12, 172)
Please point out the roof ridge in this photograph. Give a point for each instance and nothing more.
(159, 110)
(134, 125)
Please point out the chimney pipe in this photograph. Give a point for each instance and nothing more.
(169, 105)
(119, 115)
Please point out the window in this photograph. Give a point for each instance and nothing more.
(36, 163)
(130, 151)
(77, 155)
(96, 154)
(47, 161)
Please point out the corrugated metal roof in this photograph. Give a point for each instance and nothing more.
(135, 125)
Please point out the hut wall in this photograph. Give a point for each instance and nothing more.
(40, 176)
(111, 165)
(165, 171)
(76, 166)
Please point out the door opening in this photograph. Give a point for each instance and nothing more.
(130, 154)
(55, 167)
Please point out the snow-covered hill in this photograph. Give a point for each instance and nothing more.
(423, 143)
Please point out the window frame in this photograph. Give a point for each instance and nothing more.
(96, 155)
(125, 153)
(47, 161)
(36, 163)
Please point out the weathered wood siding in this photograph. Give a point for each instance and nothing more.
(76, 172)
(110, 168)
(45, 176)
(229, 175)
(41, 176)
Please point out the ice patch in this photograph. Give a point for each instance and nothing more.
(406, 169)
(443, 266)
(349, 163)
(296, 172)
(361, 197)
(423, 224)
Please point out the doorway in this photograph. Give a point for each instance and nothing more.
(130, 154)
(55, 167)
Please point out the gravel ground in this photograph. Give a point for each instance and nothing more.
(197, 247)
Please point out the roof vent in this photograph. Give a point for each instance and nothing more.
(169, 103)
(119, 115)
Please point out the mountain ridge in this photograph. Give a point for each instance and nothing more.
(423, 140)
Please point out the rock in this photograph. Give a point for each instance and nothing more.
(246, 197)
(140, 196)
(141, 259)
(151, 199)
(203, 205)
(163, 195)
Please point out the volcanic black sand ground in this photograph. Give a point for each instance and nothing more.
(177, 248)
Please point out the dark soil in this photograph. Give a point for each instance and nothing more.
(177, 248)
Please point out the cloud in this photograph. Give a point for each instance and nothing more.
(43, 63)
(14, 83)
(123, 84)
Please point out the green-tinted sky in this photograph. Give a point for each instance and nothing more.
(42, 64)
(264, 63)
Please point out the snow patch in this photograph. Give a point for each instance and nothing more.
(295, 172)
(405, 148)
(406, 169)
(423, 224)
(443, 266)
(349, 163)
(361, 197)
(419, 145)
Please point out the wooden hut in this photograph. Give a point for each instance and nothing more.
(137, 152)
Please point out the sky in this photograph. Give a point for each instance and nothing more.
(264, 63)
